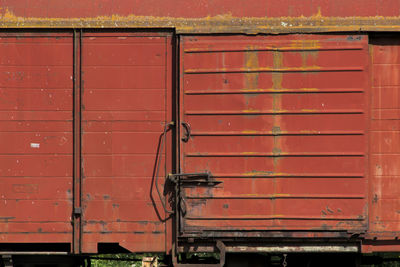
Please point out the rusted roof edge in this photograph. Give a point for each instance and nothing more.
(216, 24)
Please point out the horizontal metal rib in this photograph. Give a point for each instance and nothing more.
(272, 112)
(279, 196)
(261, 174)
(275, 91)
(256, 48)
(250, 70)
(281, 154)
(279, 217)
(274, 133)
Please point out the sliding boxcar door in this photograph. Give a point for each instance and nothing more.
(280, 124)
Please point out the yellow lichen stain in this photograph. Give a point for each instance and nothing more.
(223, 23)
(309, 51)
(251, 59)
(318, 14)
(310, 89)
(318, 17)
(305, 44)
(251, 63)
(251, 111)
(305, 110)
(250, 78)
(277, 76)
(257, 90)
(309, 132)
(248, 153)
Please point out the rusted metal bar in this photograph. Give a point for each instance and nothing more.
(323, 248)
(77, 183)
(224, 23)
(161, 148)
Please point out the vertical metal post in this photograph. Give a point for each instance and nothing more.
(176, 216)
(77, 183)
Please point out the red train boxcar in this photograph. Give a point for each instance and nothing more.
(199, 126)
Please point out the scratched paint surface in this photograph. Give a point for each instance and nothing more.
(124, 112)
(35, 138)
(281, 121)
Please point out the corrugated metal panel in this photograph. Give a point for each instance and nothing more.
(281, 121)
(127, 80)
(36, 138)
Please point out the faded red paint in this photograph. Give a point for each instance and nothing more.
(36, 138)
(125, 108)
(384, 142)
(281, 121)
(301, 137)
(125, 103)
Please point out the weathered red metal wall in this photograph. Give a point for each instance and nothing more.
(36, 137)
(123, 82)
(282, 122)
(385, 138)
(126, 103)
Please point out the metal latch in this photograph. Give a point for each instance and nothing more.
(202, 178)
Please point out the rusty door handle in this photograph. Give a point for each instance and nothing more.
(188, 130)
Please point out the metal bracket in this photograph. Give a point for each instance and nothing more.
(221, 247)
(202, 179)
(193, 178)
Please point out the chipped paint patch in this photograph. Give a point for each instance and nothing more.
(35, 145)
